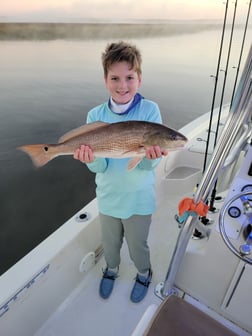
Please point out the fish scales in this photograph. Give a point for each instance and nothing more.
(109, 140)
(118, 140)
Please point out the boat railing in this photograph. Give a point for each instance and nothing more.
(239, 115)
(244, 136)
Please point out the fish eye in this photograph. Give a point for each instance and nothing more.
(46, 149)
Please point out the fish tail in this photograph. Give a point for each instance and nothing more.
(40, 154)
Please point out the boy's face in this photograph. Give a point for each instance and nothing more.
(122, 82)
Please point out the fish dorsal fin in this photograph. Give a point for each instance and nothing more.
(81, 130)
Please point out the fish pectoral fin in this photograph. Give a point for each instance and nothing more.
(139, 150)
(81, 130)
(134, 162)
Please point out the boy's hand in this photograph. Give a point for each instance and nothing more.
(155, 152)
(84, 154)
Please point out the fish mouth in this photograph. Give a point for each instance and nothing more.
(179, 144)
(181, 139)
(179, 147)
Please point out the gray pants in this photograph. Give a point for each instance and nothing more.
(136, 230)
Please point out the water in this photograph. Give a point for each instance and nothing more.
(47, 86)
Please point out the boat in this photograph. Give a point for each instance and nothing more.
(202, 269)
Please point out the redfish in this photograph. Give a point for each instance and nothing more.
(128, 139)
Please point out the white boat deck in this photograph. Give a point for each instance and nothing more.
(84, 312)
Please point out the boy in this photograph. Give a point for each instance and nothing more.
(126, 199)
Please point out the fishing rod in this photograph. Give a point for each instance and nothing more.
(216, 78)
(213, 194)
(226, 72)
(241, 52)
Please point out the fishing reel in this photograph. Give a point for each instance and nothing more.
(237, 213)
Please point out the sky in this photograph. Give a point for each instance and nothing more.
(115, 10)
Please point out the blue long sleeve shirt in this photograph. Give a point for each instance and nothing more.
(122, 193)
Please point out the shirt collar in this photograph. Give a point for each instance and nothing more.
(124, 108)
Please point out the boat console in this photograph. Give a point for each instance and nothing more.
(217, 274)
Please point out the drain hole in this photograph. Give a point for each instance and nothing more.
(82, 217)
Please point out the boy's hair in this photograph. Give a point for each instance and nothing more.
(121, 52)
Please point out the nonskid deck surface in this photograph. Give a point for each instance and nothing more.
(85, 313)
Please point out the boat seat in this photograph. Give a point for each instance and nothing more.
(177, 317)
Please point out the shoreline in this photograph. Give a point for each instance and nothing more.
(52, 31)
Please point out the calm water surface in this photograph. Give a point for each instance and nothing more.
(47, 88)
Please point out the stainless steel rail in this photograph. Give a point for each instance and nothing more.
(240, 114)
